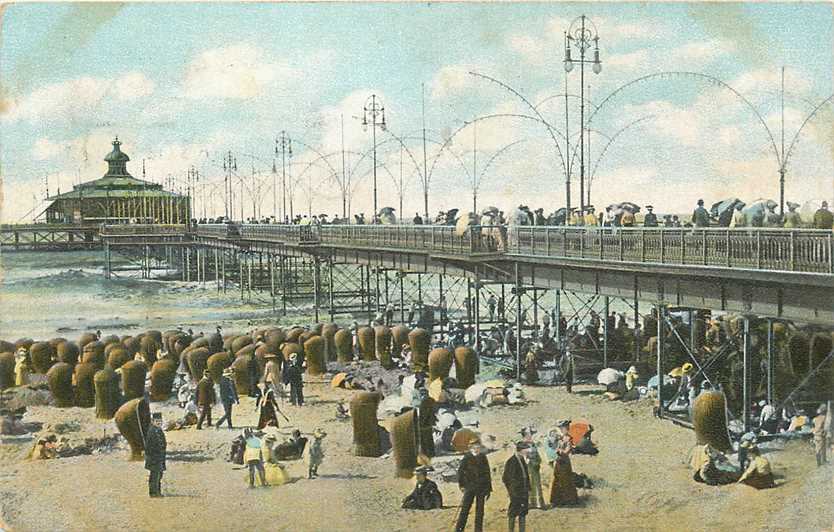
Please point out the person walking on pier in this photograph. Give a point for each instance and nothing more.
(155, 446)
(491, 302)
(205, 398)
(417, 220)
(650, 219)
(700, 216)
(228, 396)
(823, 219)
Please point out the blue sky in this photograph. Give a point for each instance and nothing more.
(183, 83)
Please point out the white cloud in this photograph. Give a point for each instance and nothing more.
(132, 86)
(451, 80)
(239, 71)
(628, 61)
(80, 97)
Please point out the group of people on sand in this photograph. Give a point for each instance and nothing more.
(521, 477)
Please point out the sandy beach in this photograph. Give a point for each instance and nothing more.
(641, 480)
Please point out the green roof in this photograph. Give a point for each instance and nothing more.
(117, 182)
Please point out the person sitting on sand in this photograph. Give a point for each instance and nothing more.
(712, 467)
(425, 495)
(758, 474)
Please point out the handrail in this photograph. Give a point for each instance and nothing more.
(768, 249)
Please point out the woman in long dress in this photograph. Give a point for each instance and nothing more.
(268, 410)
(562, 488)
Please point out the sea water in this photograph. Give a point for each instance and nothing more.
(49, 294)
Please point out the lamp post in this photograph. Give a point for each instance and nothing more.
(373, 116)
(284, 142)
(582, 34)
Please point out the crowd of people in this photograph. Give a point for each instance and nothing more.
(627, 214)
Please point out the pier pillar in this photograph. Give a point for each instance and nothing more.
(316, 286)
(107, 264)
(770, 361)
(605, 333)
(661, 316)
(477, 305)
(330, 289)
(518, 323)
(745, 412)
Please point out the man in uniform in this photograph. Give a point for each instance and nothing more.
(650, 219)
(155, 445)
(475, 482)
(517, 480)
(426, 495)
(205, 398)
(823, 219)
(700, 216)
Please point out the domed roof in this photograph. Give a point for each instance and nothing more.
(117, 155)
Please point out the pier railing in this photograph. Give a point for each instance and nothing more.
(803, 250)
(434, 238)
(792, 250)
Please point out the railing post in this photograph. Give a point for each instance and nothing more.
(704, 240)
(643, 246)
(547, 240)
(729, 245)
(581, 243)
(532, 242)
(565, 242)
(601, 247)
(830, 252)
(683, 247)
(662, 249)
(793, 252)
(620, 236)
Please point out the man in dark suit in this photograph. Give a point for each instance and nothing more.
(517, 480)
(155, 445)
(228, 396)
(476, 484)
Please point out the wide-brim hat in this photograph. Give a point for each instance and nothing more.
(423, 469)
(687, 367)
(319, 433)
(270, 355)
(822, 409)
(632, 369)
(563, 423)
(228, 372)
(650, 206)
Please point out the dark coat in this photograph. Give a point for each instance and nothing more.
(228, 393)
(205, 392)
(426, 496)
(155, 445)
(292, 375)
(473, 474)
(516, 478)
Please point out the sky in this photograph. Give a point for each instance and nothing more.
(687, 104)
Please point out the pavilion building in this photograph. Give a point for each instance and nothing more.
(118, 197)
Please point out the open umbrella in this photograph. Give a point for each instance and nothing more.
(578, 429)
(490, 211)
(338, 380)
(462, 438)
(725, 208)
(609, 376)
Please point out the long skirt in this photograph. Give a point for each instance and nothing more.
(267, 417)
(562, 488)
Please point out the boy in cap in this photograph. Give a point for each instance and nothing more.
(314, 453)
(155, 446)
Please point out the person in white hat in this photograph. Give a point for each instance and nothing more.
(314, 453)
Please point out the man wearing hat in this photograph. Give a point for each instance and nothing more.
(228, 396)
(517, 480)
(534, 462)
(155, 445)
(700, 216)
(426, 495)
(293, 377)
(205, 398)
(650, 219)
(475, 482)
(821, 435)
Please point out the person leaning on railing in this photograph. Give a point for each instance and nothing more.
(823, 219)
